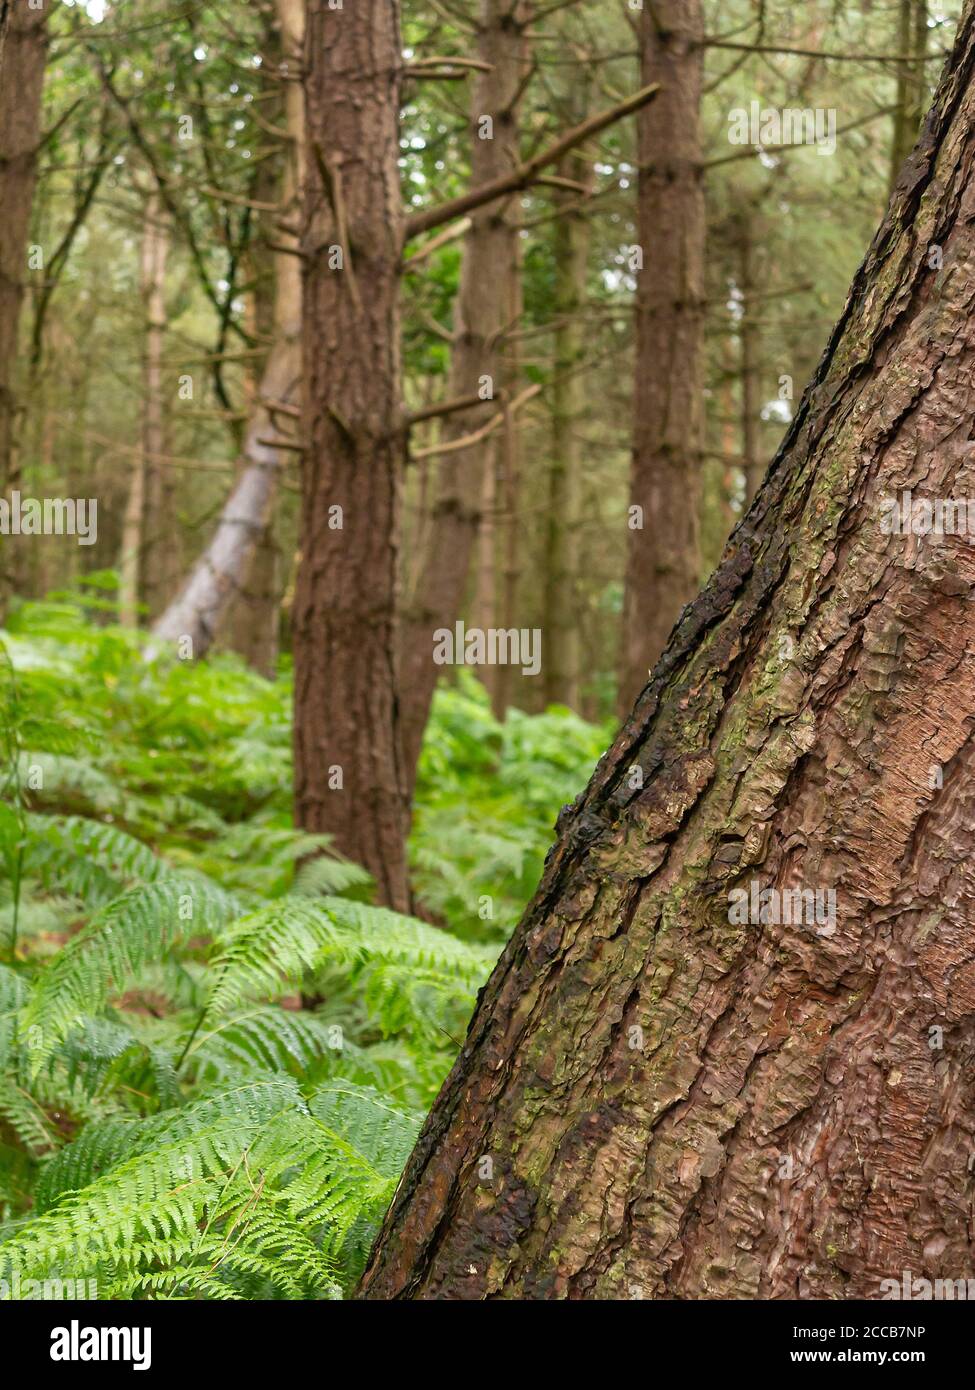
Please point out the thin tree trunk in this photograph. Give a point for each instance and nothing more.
(253, 624)
(131, 549)
(159, 554)
(144, 530)
(663, 561)
(656, 1098)
(221, 574)
(560, 666)
(509, 555)
(24, 56)
(749, 340)
(349, 780)
(913, 41)
(4, 25)
(482, 316)
(484, 596)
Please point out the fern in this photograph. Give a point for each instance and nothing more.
(215, 1052)
(128, 934)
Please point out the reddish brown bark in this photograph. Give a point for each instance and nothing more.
(679, 1105)
(346, 722)
(663, 560)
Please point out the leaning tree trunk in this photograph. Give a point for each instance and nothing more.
(655, 1099)
(222, 575)
(349, 780)
(21, 86)
(662, 570)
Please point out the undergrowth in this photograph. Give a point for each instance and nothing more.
(215, 1051)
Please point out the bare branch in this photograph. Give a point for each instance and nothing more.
(524, 175)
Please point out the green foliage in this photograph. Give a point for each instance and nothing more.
(488, 795)
(215, 1051)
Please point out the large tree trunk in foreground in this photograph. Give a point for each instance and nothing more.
(21, 86)
(677, 1105)
(224, 574)
(482, 316)
(662, 570)
(349, 779)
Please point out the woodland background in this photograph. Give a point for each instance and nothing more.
(156, 163)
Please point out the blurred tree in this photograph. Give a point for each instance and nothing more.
(24, 57)
(663, 560)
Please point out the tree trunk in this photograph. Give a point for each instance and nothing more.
(912, 42)
(349, 780)
(560, 667)
(499, 678)
(223, 574)
(656, 1099)
(662, 570)
(252, 626)
(160, 556)
(24, 56)
(4, 25)
(147, 530)
(750, 384)
(482, 316)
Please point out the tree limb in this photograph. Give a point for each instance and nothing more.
(527, 173)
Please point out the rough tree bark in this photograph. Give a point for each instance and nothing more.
(678, 1105)
(481, 319)
(662, 570)
(349, 779)
(220, 576)
(24, 56)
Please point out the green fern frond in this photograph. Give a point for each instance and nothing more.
(130, 933)
(92, 860)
